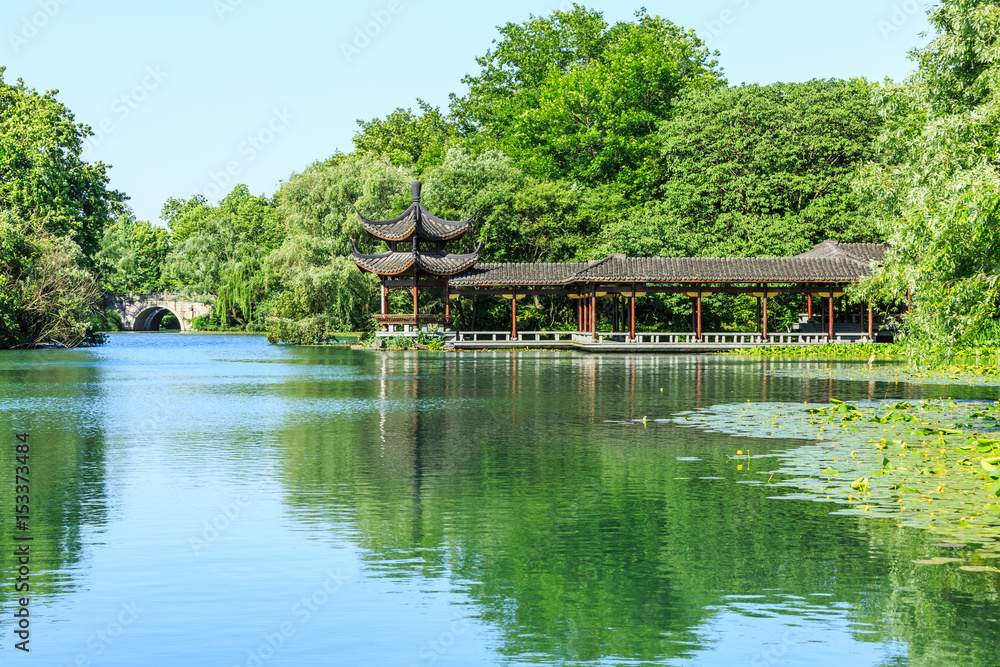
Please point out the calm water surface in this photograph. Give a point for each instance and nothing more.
(213, 500)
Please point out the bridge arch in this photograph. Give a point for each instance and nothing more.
(150, 319)
(144, 312)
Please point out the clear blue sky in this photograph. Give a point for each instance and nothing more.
(189, 93)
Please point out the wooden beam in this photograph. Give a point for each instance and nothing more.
(409, 283)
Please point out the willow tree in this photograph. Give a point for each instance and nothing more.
(936, 186)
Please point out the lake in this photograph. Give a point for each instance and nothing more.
(215, 500)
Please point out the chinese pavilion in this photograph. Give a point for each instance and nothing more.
(822, 272)
(415, 266)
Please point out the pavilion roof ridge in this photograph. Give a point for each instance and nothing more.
(415, 221)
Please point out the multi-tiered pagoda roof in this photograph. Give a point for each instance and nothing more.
(414, 225)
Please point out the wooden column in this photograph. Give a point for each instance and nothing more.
(757, 321)
(593, 313)
(631, 319)
(764, 320)
(385, 300)
(614, 314)
(698, 325)
(871, 326)
(909, 301)
(829, 319)
(513, 312)
(810, 299)
(822, 316)
(414, 300)
(447, 305)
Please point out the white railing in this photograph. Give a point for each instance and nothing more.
(504, 336)
(729, 338)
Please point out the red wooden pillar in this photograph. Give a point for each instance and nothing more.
(698, 327)
(871, 326)
(810, 299)
(513, 313)
(414, 288)
(909, 301)
(764, 320)
(593, 313)
(385, 301)
(631, 319)
(829, 319)
(447, 305)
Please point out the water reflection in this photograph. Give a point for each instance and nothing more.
(517, 503)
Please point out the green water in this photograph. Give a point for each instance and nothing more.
(213, 500)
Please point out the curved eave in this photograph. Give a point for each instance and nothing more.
(415, 221)
(396, 263)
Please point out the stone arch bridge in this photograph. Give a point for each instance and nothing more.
(144, 312)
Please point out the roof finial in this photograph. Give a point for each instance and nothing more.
(416, 192)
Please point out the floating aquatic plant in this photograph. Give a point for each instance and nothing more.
(933, 465)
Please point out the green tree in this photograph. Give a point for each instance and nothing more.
(518, 218)
(321, 200)
(256, 217)
(48, 294)
(42, 176)
(131, 256)
(570, 97)
(186, 217)
(319, 291)
(937, 186)
(406, 139)
(761, 170)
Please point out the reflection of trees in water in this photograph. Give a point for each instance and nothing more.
(565, 522)
(68, 476)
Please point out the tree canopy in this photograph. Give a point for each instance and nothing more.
(569, 96)
(42, 176)
(936, 183)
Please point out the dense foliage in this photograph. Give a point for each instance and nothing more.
(54, 208)
(937, 182)
(575, 139)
